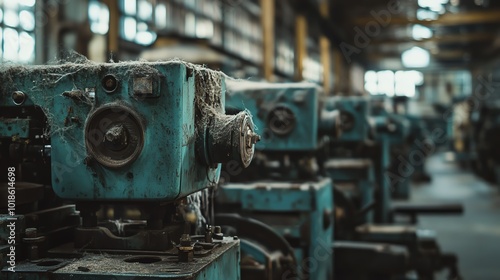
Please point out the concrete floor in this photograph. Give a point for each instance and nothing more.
(475, 236)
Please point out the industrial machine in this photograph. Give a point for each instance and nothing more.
(282, 187)
(357, 194)
(352, 174)
(418, 146)
(361, 154)
(105, 167)
(485, 123)
(392, 134)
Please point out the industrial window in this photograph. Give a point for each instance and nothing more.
(17, 31)
(313, 70)
(386, 82)
(98, 17)
(135, 21)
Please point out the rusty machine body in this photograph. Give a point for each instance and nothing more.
(282, 188)
(106, 165)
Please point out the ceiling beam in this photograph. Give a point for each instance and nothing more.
(448, 19)
(448, 54)
(440, 39)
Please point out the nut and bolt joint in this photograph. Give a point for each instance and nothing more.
(186, 249)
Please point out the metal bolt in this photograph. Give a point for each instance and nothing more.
(208, 234)
(116, 136)
(218, 233)
(198, 247)
(185, 255)
(186, 250)
(251, 138)
(18, 97)
(185, 240)
(33, 240)
(30, 232)
(218, 229)
(109, 83)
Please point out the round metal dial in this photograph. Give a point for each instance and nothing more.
(114, 135)
(281, 120)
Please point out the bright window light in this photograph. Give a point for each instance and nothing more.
(420, 32)
(27, 21)
(11, 47)
(423, 14)
(371, 77)
(145, 37)
(386, 82)
(432, 4)
(417, 77)
(137, 18)
(27, 3)
(416, 58)
(130, 7)
(17, 38)
(10, 5)
(11, 18)
(129, 28)
(98, 17)
(401, 83)
(190, 24)
(405, 85)
(145, 10)
(1, 42)
(26, 47)
(161, 16)
(204, 29)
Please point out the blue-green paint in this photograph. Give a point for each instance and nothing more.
(167, 167)
(301, 99)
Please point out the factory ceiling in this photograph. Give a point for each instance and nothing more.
(455, 33)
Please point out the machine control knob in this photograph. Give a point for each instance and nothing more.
(114, 135)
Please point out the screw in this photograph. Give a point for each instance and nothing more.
(18, 97)
(30, 232)
(185, 249)
(218, 233)
(116, 136)
(185, 240)
(218, 229)
(109, 83)
(208, 234)
(255, 137)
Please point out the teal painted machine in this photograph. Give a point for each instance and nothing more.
(278, 113)
(359, 190)
(132, 145)
(126, 129)
(352, 174)
(281, 188)
(353, 113)
(390, 130)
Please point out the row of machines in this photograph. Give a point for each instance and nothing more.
(169, 170)
(475, 122)
(324, 173)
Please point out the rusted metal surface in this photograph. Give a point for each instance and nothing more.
(222, 263)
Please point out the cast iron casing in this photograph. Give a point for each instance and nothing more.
(353, 117)
(285, 115)
(161, 100)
